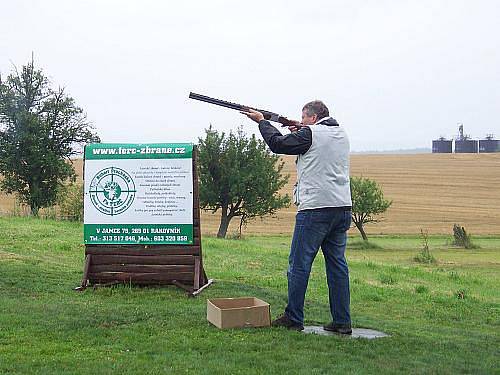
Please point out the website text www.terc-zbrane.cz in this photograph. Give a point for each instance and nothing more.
(141, 150)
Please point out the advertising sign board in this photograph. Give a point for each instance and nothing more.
(138, 193)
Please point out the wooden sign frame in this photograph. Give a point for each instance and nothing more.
(179, 265)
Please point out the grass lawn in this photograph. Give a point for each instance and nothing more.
(442, 318)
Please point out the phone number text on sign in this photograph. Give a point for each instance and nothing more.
(139, 239)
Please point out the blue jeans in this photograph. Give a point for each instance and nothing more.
(325, 228)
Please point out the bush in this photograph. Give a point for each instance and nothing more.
(70, 201)
(425, 255)
(367, 202)
(461, 238)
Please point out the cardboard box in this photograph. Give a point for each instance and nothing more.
(238, 312)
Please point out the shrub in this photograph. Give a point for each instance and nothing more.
(367, 202)
(70, 200)
(424, 256)
(461, 238)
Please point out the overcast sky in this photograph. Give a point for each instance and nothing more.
(395, 73)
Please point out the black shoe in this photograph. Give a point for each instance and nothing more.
(343, 329)
(285, 321)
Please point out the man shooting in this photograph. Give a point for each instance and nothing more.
(323, 196)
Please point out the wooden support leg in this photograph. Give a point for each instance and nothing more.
(197, 267)
(200, 277)
(203, 275)
(85, 278)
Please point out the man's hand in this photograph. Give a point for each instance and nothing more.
(295, 126)
(253, 115)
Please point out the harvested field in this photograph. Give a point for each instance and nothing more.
(429, 192)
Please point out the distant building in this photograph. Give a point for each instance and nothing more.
(490, 144)
(465, 144)
(442, 146)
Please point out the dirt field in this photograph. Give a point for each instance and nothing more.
(429, 191)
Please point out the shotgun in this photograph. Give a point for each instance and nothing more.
(271, 116)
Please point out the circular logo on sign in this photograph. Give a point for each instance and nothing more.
(112, 191)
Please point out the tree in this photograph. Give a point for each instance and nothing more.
(239, 176)
(40, 130)
(367, 201)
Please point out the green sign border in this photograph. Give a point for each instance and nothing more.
(121, 234)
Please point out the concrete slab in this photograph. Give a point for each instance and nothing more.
(364, 333)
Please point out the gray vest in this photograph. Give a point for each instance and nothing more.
(323, 171)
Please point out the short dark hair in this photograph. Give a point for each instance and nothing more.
(318, 108)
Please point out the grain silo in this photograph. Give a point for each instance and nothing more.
(469, 146)
(442, 146)
(464, 144)
(489, 144)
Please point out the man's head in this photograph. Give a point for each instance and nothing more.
(314, 111)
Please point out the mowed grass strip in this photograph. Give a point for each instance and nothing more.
(442, 318)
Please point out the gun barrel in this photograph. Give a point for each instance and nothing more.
(238, 107)
(219, 102)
